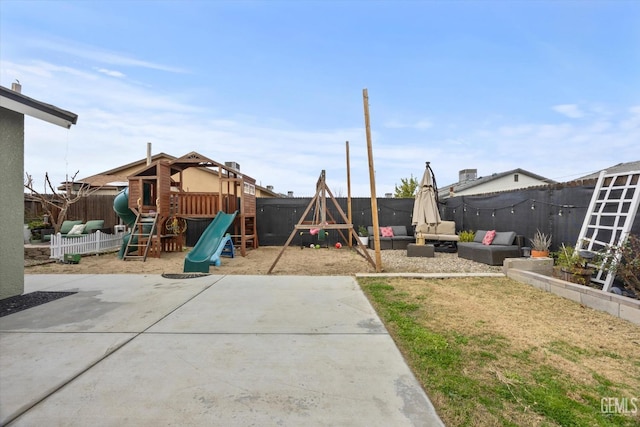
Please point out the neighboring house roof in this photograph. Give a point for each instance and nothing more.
(141, 163)
(15, 101)
(114, 178)
(619, 168)
(458, 187)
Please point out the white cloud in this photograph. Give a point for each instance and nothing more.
(111, 73)
(570, 110)
(96, 54)
(117, 118)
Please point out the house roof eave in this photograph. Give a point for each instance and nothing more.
(15, 101)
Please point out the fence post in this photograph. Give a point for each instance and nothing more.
(55, 245)
(98, 235)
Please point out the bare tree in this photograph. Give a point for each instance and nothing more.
(56, 203)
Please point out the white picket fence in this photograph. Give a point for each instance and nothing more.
(86, 244)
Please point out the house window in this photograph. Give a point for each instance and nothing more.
(249, 188)
(515, 177)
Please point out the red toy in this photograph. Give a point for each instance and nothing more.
(338, 245)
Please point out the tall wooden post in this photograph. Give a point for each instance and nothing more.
(349, 218)
(372, 181)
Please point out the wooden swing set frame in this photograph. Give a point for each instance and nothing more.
(319, 201)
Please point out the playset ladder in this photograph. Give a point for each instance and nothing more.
(609, 219)
(143, 230)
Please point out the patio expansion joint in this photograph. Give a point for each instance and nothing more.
(270, 333)
(107, 354)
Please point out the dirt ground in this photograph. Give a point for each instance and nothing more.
(294, 261)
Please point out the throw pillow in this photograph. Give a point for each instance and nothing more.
(479, 236)
(76, 230)
(386, 231)
(488, 238)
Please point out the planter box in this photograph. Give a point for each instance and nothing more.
(581, 276)
(71, 258)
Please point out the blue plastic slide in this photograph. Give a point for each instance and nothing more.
(197, 261)
(225, 248)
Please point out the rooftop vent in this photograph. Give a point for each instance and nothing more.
(16, 87)
(232, 165)
(289, 193)
(467, 175)
(270, 187)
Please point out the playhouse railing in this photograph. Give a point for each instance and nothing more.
(85, 244)
(205, 205)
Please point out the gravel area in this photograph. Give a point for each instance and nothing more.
(398, 262)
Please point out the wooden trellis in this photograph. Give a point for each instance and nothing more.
(319, 221)
(608, 222)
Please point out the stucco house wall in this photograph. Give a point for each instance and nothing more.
(12, 206)
(13, 107)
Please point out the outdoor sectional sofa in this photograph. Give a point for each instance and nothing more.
(445, 231)
(504, 245)
(90, 227)
(401, 238)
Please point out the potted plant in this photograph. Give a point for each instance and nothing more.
(570, 266)
(363, 235)
(36, 227)
(466, 236)
(540, 245)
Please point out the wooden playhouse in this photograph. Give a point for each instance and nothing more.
(161, 203)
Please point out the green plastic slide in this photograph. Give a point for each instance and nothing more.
(121, 208)
(198, 260)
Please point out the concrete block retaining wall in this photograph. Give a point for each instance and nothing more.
(37, 252)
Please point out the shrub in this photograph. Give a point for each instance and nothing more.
(467, 236)
(628, 268)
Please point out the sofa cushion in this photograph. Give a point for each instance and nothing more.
(504, 238)
(399, 230)
(488, 237)
(93, 225)
(76, 230)
(67, 225)
(479, 236)
(386, 231)
(446, 227)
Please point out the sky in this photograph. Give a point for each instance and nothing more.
(552, 87)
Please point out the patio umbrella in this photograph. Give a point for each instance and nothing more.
(425, 206)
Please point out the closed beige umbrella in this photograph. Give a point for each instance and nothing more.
(425, 207)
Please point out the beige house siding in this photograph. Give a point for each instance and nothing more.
(504, 183)
(198, 180)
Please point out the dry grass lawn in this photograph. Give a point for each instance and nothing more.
(509, 354)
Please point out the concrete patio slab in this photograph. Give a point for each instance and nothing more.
(107, 303)
(232, 350)
(226, 380)
(35, 365)
(282, 304)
